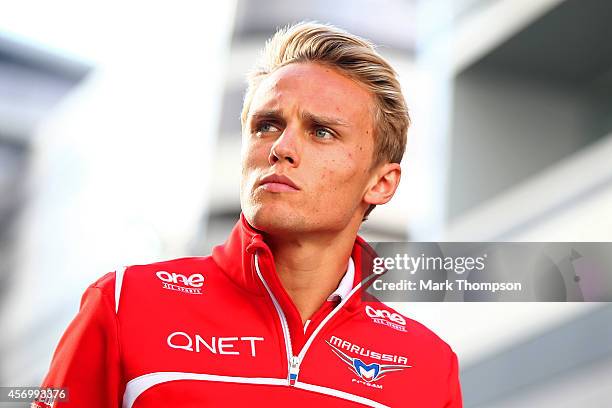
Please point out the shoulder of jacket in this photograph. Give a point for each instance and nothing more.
(197, 262)
(422, 332)
(111, 283)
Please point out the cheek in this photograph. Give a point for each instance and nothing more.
(253, 154)
(341, 174)
(249, 157)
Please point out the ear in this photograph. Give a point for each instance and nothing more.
(385, 180)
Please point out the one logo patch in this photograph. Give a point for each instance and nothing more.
(386, 318)
(368, 374)
(187, 284)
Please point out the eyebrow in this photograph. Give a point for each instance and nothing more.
(323, 120)
(269, 114)
(306, 116)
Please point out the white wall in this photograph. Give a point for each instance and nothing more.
(507, 128)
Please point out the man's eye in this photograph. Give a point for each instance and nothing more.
(266, 127)
(322, 133)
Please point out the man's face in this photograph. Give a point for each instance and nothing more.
(312, 125)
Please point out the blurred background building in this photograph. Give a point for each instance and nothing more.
(120, 144)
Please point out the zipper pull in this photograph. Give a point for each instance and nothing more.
(294, 369)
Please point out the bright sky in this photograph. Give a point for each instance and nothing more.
(90, 30)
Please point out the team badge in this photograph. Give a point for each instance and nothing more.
(369, 373)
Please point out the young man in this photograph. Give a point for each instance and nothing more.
(276, 315)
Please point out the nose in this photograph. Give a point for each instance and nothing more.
(286, 148)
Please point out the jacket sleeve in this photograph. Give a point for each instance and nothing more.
(454, 398)
(86, 361)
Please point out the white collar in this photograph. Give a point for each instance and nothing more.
(346, 284)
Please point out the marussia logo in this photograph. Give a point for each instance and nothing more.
(187, 284)
(387, 318)
(368, 374)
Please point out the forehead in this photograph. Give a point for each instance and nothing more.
(317, 89)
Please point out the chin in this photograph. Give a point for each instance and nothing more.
(273, 219)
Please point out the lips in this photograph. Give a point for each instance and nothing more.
(278, 183)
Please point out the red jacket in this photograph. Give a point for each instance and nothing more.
(221, 331)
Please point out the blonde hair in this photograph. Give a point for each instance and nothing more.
(352, 56)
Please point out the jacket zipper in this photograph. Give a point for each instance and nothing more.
(294, 362)
(331, 314)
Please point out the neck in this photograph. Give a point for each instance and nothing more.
(310, 266)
